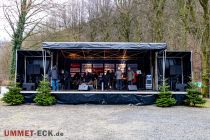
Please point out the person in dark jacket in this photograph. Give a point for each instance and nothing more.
(87, 77)
(107, 80)
(55, 76)
(112, 79)
(67, 80)
(76, 80)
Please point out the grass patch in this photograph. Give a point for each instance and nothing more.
(207, 104)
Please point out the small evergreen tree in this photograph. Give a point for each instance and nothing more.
(13, 97)
(194, 96)
(165, 97)
(43, 96)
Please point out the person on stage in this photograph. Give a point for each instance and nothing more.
(76, 80)
(107, 80)
(130, 76)
(118, 75)
(55, 77)
(67, 80)
(112, 79)
(95, 80)
(88, 78)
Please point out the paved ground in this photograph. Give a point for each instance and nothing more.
(107, 122)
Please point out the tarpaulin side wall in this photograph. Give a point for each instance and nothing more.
(63, 98)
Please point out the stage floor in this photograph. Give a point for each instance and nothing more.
(143, 92)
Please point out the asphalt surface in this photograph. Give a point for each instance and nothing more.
(106, 122)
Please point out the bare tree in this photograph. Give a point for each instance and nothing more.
(22, 22)
(93, 16)
(186, 14)
(125, 17)
(4, 63)
(205, 45)
(157, 19)
(106, 19)
(180, 23)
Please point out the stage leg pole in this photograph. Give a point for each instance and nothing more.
(163, 68)
(182, 70)
(43, 59)
(156, 73)
(151, 70)
(102, 86)
(25, 69)
(16, 68)
(191, 62)
(51, 67)
(57, 58)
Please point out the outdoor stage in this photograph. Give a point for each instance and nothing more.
(105, 97)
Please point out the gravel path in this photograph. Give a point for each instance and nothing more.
(107, 122)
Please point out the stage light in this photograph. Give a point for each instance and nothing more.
(73, 55)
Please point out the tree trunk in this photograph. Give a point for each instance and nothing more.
(204, 47)
(157, 21)
(18, 37)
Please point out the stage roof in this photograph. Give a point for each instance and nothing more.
(104, 45)
(30, 53)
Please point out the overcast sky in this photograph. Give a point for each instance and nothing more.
(4, 36)
(3, 22)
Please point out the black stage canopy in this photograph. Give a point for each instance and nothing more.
(104, 45)
(30, 53)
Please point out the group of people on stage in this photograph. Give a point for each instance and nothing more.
(110, 80)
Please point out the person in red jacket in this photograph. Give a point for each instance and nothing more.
(135, 78)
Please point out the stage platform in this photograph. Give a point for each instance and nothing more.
(105, 97)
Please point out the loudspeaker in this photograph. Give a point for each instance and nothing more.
(90, 87)
(175, 70)
(83, 87)
(28, 86)
(180, 87)
(132, 87)
(36, 69)
(148, 81)
(33, 69)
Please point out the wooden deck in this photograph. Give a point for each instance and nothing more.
(105, 92)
